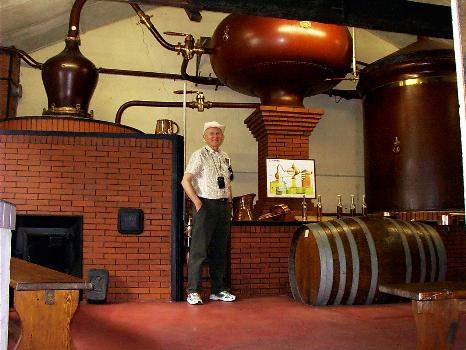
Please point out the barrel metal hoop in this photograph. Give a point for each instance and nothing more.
(354, 262)
(374, 260)
(422, 254)
(292, 265)
(342, 260)
(408, 257)
(433, 257)
(326, 265)
(442, 253)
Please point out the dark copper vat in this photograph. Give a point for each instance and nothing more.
(411, 130)
(69, 79)
(280, 61)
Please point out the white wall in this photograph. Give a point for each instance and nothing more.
(336, 143)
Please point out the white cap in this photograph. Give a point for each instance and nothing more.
(214, 124)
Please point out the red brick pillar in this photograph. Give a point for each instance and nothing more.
(281, 132)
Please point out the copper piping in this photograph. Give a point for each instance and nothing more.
(145, 19)
(23, 55)
(75, 15)
(188, 50)
(232, 105)
(134, 103)
(138, 73)
(192, 105)
(197, 80)
(38, 65)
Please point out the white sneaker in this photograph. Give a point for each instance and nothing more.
(194, 299)
(223, 296)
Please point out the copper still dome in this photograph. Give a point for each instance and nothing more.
(278, 60)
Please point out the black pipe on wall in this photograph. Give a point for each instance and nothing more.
(192, 105)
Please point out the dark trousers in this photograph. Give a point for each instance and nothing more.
(210, 233)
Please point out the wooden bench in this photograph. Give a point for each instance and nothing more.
(45, 301)
(436, 307)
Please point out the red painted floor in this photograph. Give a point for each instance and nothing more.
(272, 323)
(276, 322)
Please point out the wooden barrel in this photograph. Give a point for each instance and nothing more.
(344, 261)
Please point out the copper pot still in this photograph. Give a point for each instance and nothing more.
(69, 79)
(412, 146)
(278, 60)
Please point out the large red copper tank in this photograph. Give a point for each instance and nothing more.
(412, 142)
(278, 60)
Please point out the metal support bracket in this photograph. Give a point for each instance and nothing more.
(49, 298)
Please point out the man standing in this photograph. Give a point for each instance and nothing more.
(207, 182)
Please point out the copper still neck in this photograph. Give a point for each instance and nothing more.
(75, 15)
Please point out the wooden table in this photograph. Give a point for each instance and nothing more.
(436, 307)
(46, 301)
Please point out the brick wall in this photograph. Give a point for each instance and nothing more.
(454, 239)
(259, 259)
(47, 123)
(93, 176)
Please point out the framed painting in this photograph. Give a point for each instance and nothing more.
(291, 178)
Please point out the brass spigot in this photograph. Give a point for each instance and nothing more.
(189, 49)
(201, 103)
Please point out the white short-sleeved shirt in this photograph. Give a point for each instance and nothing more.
(206, 165)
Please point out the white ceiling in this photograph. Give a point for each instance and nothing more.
(33, 24)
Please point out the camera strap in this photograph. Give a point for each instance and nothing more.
(217, 169)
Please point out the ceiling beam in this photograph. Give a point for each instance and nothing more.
(399, 16)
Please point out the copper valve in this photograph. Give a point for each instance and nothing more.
(189, 49)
